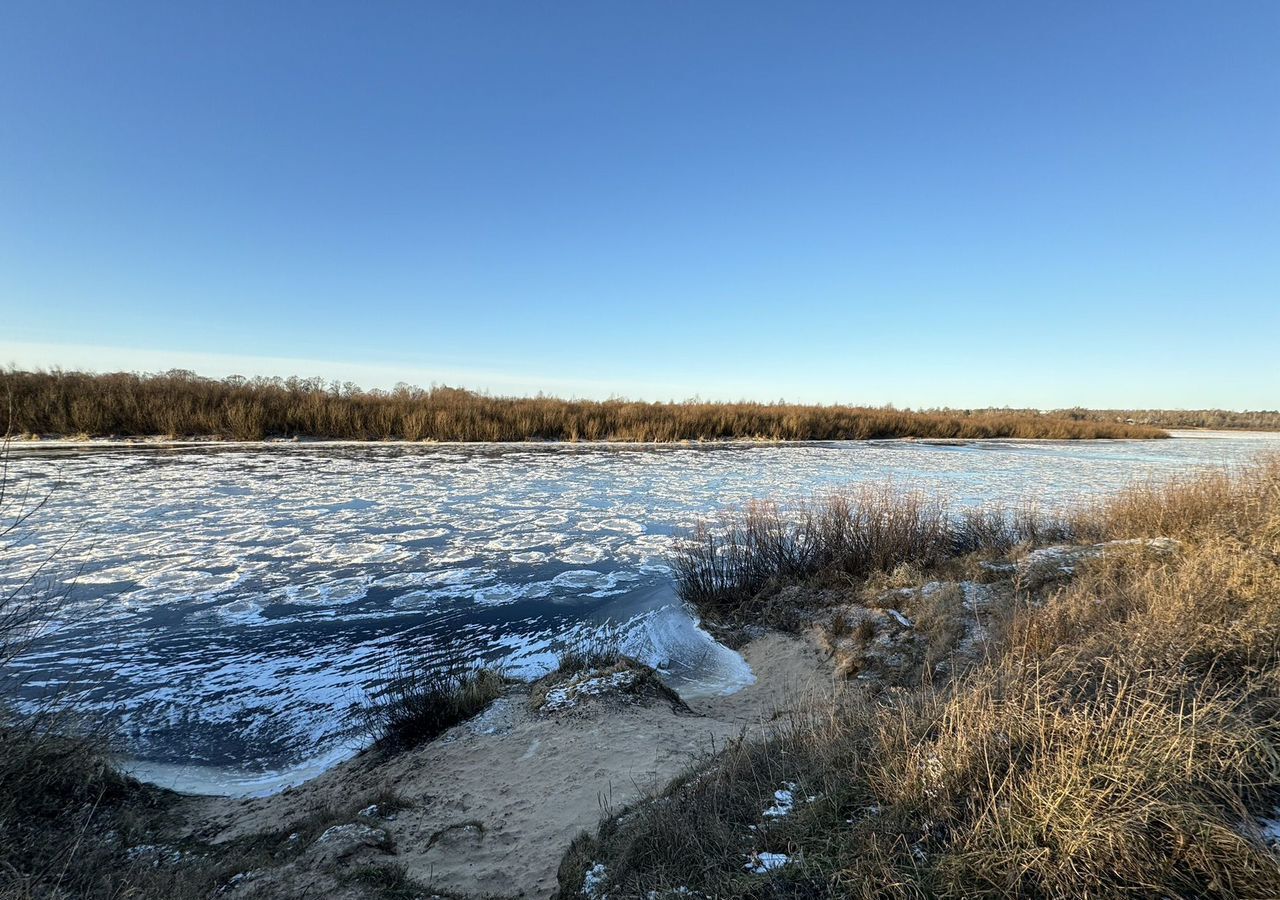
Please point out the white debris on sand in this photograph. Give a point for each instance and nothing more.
(593, 884)
(761, 863)
(567, 696)
(498, 718)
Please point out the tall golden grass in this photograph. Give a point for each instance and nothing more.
(1121, 740)
(183, 404)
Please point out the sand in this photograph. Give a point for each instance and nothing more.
(494, 803)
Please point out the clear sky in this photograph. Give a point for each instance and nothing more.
(925, 203)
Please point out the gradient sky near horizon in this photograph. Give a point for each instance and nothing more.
(923, 203)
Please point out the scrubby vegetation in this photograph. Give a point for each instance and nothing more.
(183, 404)
(1248, 420)
(727, 567)
(419, 703)
(1119, 736)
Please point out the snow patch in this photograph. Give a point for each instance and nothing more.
(593, 883)
(784, 801)
(567, 696)
(760, 863)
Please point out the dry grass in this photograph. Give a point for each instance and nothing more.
(1119, 743)
(418, 704)
(730, 569)
(181, 403)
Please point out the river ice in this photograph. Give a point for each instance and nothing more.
(230, 605)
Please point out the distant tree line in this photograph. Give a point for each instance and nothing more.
(182, 404)
(1249, 420)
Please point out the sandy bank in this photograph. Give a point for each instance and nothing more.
(493, 804)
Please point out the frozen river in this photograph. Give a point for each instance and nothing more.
(231, 604)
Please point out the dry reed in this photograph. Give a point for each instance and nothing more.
(183, 404)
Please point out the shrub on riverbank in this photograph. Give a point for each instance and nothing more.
(183, 404)
(1122, 738)
(419, 704)
(726, 568)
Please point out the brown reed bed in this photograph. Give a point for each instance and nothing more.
(180, 404)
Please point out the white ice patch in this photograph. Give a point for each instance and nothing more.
(528, 557)
(585, 580)
(337, 591)
(498, 594)
(581, 554)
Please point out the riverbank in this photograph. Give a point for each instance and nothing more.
(1087, 709)
(489, 808)
(485, 810)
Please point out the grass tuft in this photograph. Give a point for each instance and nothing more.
(418, 704)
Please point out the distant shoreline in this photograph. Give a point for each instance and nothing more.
(182, 403)
(142, 441)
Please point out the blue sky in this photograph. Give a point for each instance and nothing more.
(1015, 203)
